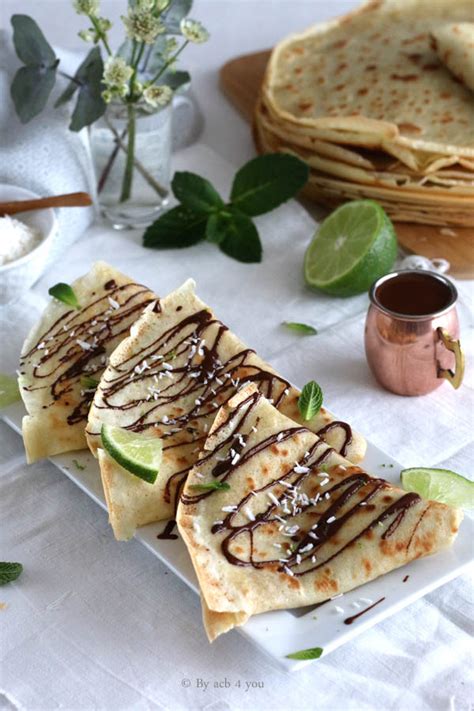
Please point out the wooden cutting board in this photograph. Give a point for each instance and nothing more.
(240, 81)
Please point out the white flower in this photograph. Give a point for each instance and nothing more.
(87, 35)
(116, 72)
(193, 31)
(158, 95)
(170, 47)
(107, 96)
(86, 7)
(142, 25)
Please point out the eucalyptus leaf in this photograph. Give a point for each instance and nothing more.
(177, 228)
(174, 14)
(90, 105)
(176, 79)
(30, 44)
(240, 240)
(30, 90)
(311, 653)
(267, 181)
(67, 94)
(195, 192)
(310, 400)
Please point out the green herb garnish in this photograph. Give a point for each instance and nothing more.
(88, 382)
(302, 328)
(9, 391)
(259, 186)
(310, 400)
(211, 486)
(10, 572)
(78, 465)
(312, 653)
(63, 292)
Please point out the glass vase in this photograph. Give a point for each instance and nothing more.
(131, 154)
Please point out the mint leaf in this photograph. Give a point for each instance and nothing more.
(240, 238)
(310, 400)
(211, 486)
(218, 226)
(302, 328)
(177, 228)
(88, 383)
(10, 572)
(196, 193)
(63, 292)
(9, 391)
(267, 181)
(311, 653)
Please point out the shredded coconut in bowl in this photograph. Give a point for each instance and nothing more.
(16, 239)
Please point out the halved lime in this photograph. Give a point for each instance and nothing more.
(139, 453)
(439, 485)
(352, 248)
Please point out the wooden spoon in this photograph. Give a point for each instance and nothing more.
(68, 200)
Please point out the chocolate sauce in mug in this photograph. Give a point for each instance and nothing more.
(414, 294)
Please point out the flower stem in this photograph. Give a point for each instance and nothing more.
(128, 174)
(167, 64)
(101, 34)
(110, 164)
(160, 189)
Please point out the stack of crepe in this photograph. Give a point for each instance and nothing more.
(380, 104)
(274, 511)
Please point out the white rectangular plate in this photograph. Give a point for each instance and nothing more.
(282, 632)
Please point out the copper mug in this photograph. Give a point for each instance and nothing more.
(412, 332)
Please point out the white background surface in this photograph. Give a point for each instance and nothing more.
(93, 624)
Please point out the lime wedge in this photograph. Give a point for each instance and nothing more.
(138, 453)
(352, 248)
(440, 485)
(9, 391)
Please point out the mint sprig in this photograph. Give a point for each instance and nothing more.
(310, 400)
(88, 382)
(259, 186)
(311, 653)
(10, 572)
(211, 486)
(63, 292)
(302, 328)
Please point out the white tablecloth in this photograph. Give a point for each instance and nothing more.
(94, 624)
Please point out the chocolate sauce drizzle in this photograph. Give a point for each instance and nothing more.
(331, 508)
(187, 377)
(353, 618)
(167, 533)
(59, 358)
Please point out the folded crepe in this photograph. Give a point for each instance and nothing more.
(292, 523)
(171, 376)
(66, 353)
(454, 45)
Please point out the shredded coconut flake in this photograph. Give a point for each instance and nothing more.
(16, 239)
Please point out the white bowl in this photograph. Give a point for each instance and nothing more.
(18, 276)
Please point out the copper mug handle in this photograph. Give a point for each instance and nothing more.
(454, 377)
